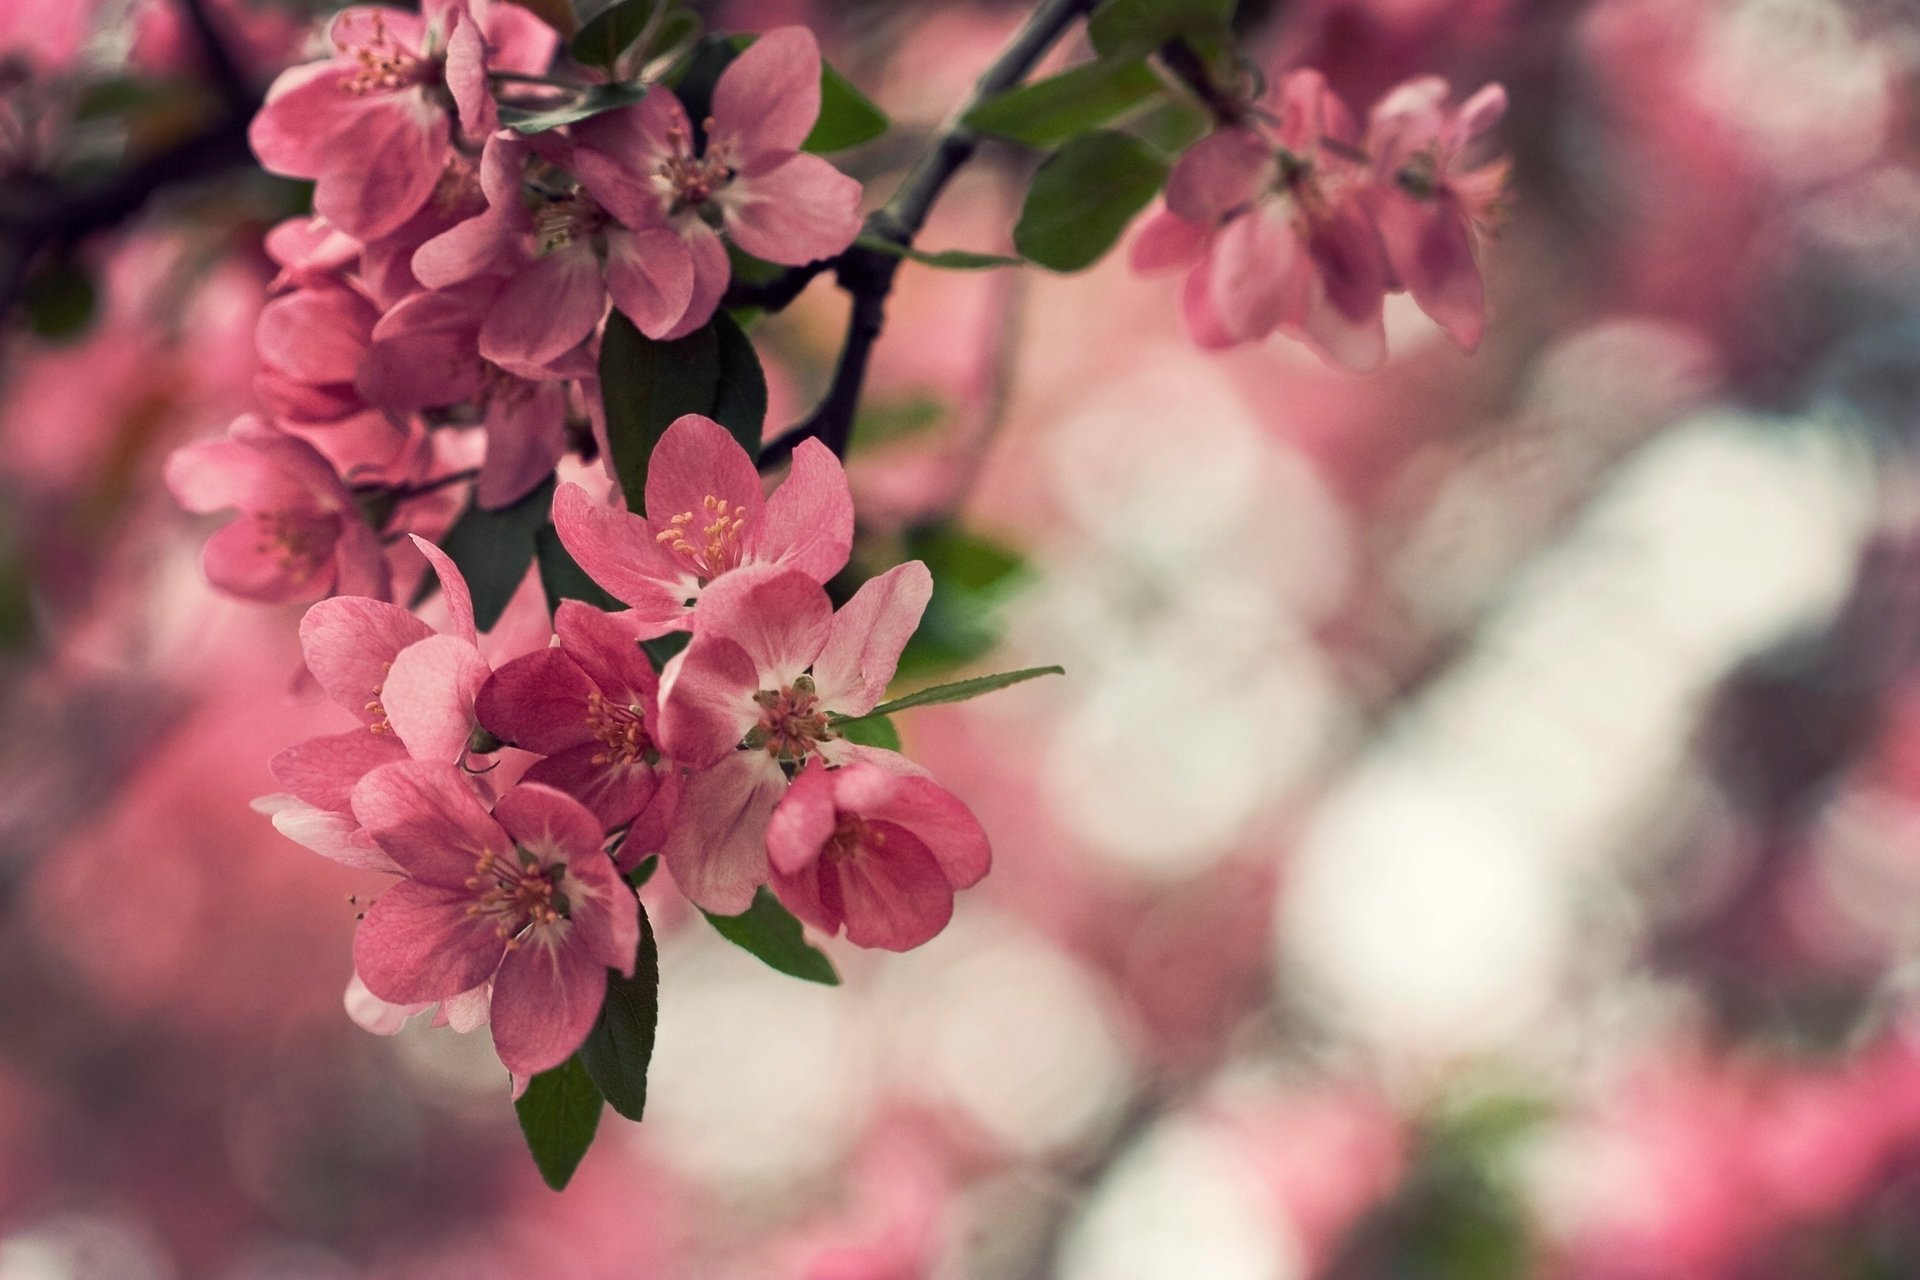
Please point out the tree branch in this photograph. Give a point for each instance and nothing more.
(867, 274)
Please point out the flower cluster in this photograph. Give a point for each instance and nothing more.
(456, 274)
(1298, 222)
(729, 763)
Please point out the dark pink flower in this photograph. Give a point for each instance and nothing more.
(753, 694)
(1282, 238)
(373, 124)
(773, 200)
(706, 517)
(424, 354)
(523, 895)
(311, 343)
(300, 535)
(878, 850)
(1435, 199)
(589, 705)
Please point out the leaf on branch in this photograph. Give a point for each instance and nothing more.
(563, 578)
(494, 549)
(1134, 28)
(740, 399)
(645, 385)
(769, 931)
(558, 1114)
(872, 731)
(1084, 196)
(575, 107)
(1048, 112)
(945, 259)
(611, 32)
(958, 691)
(620, 1046)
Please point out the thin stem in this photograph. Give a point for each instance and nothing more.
(1191, 71)
(867, 274)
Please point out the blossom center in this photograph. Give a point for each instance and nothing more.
(376, 709)
(620, 729)
(562, 220)
(383, 66)
(850, 835)
(300, 544)
(711, 548)
(691, 180)
(792, 722)
(517, 893)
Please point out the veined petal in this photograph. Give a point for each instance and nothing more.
(546, 308)
(350, 643)
(323, 771)
(538, 702)
(808, 523)
(429, 696)
(717, 849)
(426, 816)
(418, 943)
(792, 208)
(697, 460)
(866, 636)
(768, 98)
(545, 999)
(617, 549)
(650, 275)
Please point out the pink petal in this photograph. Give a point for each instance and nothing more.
(920, 805)
(516, 39)
(792, 208)
(712, 272)
(617, 550)
(466, 75)
(1257, 274)
(418, 943)
(780, 617)
(545, 999)
(717, 849)
(389, 171)
(538, 703)
(335, 836)
(706, 700)
(318, 335)
(526, 437)
(1344, 319)
(453, 586)
(863, 644)
(360, 563)
(1431, 247)
(350, 643)
(892, 895)
(429, 696)
(1165, 242)
(547, 308)
(1477, 115)
(555, 825)
(427, 818)
(607, 647)
(808, 523)
(696, 459)
(802, 822)
(768, 98)
(371, 1013)
(1219, 175)
(650, 275)
(614, 793)
(469, 1010)
(616, 155)
(252, 558)
(323, 771)
(307, 112)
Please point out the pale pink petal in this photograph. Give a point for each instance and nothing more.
(863, 644)
(466, 75)
(516, 39)
(706, 700)
(808, 523)
(717, 849)
(650, 275)
(802, 822)
(617, 550)
(349, 644)
(546, 308)
(323, 771)
(429, 696)
(545, 999)
(1477, 116)
(1257, 275)
(469, 1010)
(419, 943)
(792, 209)
(1219, 175)
(371, 1013)
(428, 819)
(1165, 242)
(335, 836)
(769, 97)
(779, 616)
(555, 826)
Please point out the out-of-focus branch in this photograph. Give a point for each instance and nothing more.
(866, 274)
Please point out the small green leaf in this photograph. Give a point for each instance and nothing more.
(1133, 28)
(620, 1046)
(661, 649)
(60, 299)
(609, 33)
(494, 549)
(973, 578)
(563, 578)
(582, 105)
(740, 397)
(643, 872)
(769, 931)
(644, 386)
(1084, 196)
(847, 116)
(558, 1114)
(945, 259)
(1048, 112)
(872, 731)
(958, 691)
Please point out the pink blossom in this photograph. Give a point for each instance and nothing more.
(425, 354)
(523, 896)
(1434, 199)
(1278, 232)
(705, 519)
(589, 705)
(311, 343)
(373, 124)
(754, 693)
(877, 850)
(775, 201)
(299, 535)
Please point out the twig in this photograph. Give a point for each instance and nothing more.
(867, 274)
(1190, 69)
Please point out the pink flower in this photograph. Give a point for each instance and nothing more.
(412, 690)
(706, 518)
(775, 201)
(372, 125)
(299, 535)
(1283, 240)
(523, 896)
(1432, 203)
(311, 342)
(878, 850)
(561, 254)
(425, 354)
(753, 694)
(590, 707)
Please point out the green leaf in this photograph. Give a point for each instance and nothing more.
(558, 1114)
(557, 14)
(847, 116)
(620, 1046)
(769, 931)
(661, 649)
(1084, 196)
(973, 577)
(740, 398)
(873, 731)
(60, 299)
(132, 95)
(609, 33)
(642, 872)
(1172, 126)
(958, 691)
(582, 105)
(644, 386)
(563, 578)
(945, 259)
(494, 549)
(1133, 28)
(1048, 112)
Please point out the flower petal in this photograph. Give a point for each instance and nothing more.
(545, 999)
(419, 943)
(717, 849)
(808, 523)
(863, 643)
(768, 98)
(426, 816)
